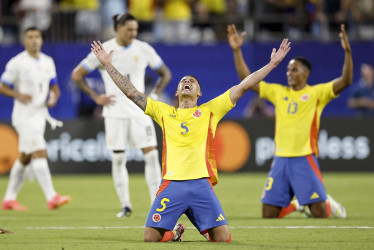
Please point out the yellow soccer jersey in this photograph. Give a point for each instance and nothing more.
(297, 116)
(188, 137)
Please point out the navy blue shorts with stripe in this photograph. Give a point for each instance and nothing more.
(195, 198)
(289, 176)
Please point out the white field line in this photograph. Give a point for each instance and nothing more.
(237, 227)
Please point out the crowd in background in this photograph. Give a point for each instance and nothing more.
(200, 22)
(188, 21)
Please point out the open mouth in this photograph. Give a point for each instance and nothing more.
(187, 87)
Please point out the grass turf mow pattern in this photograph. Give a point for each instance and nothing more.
(90, 222)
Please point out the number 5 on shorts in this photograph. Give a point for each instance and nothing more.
(163, 205)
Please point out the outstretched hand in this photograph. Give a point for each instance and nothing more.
(99, 51)
(233, 37)
(344, 39)
(277, 56)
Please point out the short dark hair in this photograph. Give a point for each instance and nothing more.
(32, 28)
(120, 19)
(305, 62)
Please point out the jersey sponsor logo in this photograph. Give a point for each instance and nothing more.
(220, 218)
(156, 217)
(197, 113)
(305, 97)
(172, 115)
(314, 196)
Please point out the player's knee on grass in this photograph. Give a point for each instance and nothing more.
(220, 234)
(318, 210)
(153, 234)
(269, 211)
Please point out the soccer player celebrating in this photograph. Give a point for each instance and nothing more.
(125, 123)
(33, 75)
(298, 107)
(188, 162)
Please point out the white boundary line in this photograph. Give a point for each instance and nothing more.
(237, 227)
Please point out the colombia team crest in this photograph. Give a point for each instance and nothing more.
(305, 97)
(197, 113)
(156, 217)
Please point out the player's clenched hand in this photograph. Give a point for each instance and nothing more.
(344, 39)
(25, 99)
(52, 100)
(98, 49)
(233, 37)
(104, 100)
(277, 56)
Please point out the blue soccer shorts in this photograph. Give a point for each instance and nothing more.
(289, 176)
(195, 198)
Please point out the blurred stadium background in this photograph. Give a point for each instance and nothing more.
(200, 48)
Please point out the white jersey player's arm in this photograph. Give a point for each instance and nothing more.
(54, 95)
(163, 80)
(7, 91)
(78, 76)
(123, 83)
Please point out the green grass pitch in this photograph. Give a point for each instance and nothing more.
(90, 222)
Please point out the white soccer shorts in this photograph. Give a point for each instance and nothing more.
(123, 133)
(31, 136)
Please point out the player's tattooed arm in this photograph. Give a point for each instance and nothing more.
(123, 83)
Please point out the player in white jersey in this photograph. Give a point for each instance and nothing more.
(125, 123)
(33, 76)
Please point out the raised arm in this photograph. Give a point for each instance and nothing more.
(346, 78)
(163, 80)
(253, 79)
(236, 41)
(121, 81)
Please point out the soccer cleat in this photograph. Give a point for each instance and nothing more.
(12, 205)
(58, 201)
(303, 209)
(126, 212)
(307, 212)
(337, 209)
(179, 230)
(297, 205)
(3, 231)
(206, 236)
